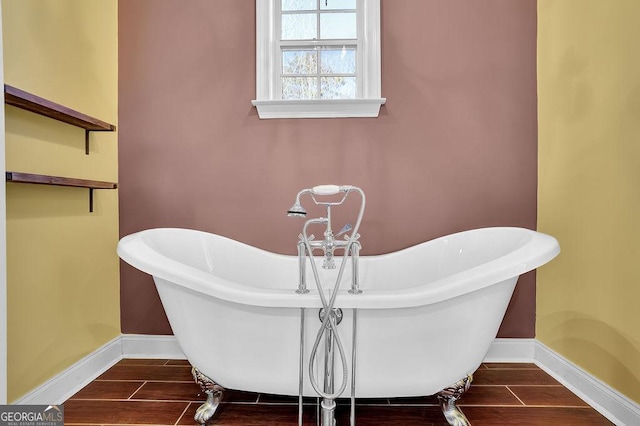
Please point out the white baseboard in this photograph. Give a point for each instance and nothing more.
(614, 406)
(511, 350)
(610, 403)
(147, 346)
(62, 386)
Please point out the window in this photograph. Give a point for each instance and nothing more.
(317, 58)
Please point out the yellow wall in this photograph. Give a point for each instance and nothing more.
(63, 279)
(589, 185)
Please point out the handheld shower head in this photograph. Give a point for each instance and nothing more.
(297, 210)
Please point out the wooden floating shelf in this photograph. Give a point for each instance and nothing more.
(30, 102)
(19, 177)
(59, 181)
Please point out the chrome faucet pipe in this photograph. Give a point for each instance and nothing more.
(327, 324)
(318, 244)
(328, 329)
(302, 261)
(355, 278)
(328, 243)
(307, 243)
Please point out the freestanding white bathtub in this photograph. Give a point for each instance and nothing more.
(426, 317)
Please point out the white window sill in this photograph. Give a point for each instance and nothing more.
(325, 108)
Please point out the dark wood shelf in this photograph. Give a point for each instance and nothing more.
(30, 102)
(21, 99)
(59, 181)
(19, 177)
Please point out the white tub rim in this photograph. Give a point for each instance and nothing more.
(538, 250)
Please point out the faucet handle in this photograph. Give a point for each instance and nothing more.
(311, 237)
(346, 228)
(325, 190)
(328, 264)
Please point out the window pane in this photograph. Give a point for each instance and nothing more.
(299, 88)
(337, 4)
(299, 4)
(338, 25)
(299, 26)
(299, 62)
(338, 61)
(338, 87)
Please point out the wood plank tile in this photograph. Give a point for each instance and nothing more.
(547, 396)
(512, 365)
(365, 401)
(148, 372)
(170, 388)
(253, 415)
(420, 400)
(534, 416)
(182, 391)
(84, 424)
(142, 361)
(488, 395)
(178, 362)
(512, 377)
(267, 398)
(476, 395)
(169, 391)
(370, 415)
(285, 415)
(123, 412)
(108, 390)
(234, 396)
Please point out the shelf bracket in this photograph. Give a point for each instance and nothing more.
(30, 102)
(31, 178)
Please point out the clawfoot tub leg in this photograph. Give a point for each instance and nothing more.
(448, 397)
(205, 412)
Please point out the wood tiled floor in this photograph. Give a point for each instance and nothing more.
(162, 392)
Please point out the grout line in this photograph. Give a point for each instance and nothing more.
(152, 365)
(513, 366)
(255, 401)
(146, 380)
(182, 415)
(537, 386)
(260, 397)
(461, 410)
(426, 404)
(518, 398)
(357, 404)
(139, 400)
(136, 391)
(559, 406)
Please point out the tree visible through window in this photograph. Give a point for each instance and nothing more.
(317, 58)
(319, 47)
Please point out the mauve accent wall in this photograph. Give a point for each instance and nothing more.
(454, 148)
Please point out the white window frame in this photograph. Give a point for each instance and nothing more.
(268, 100)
